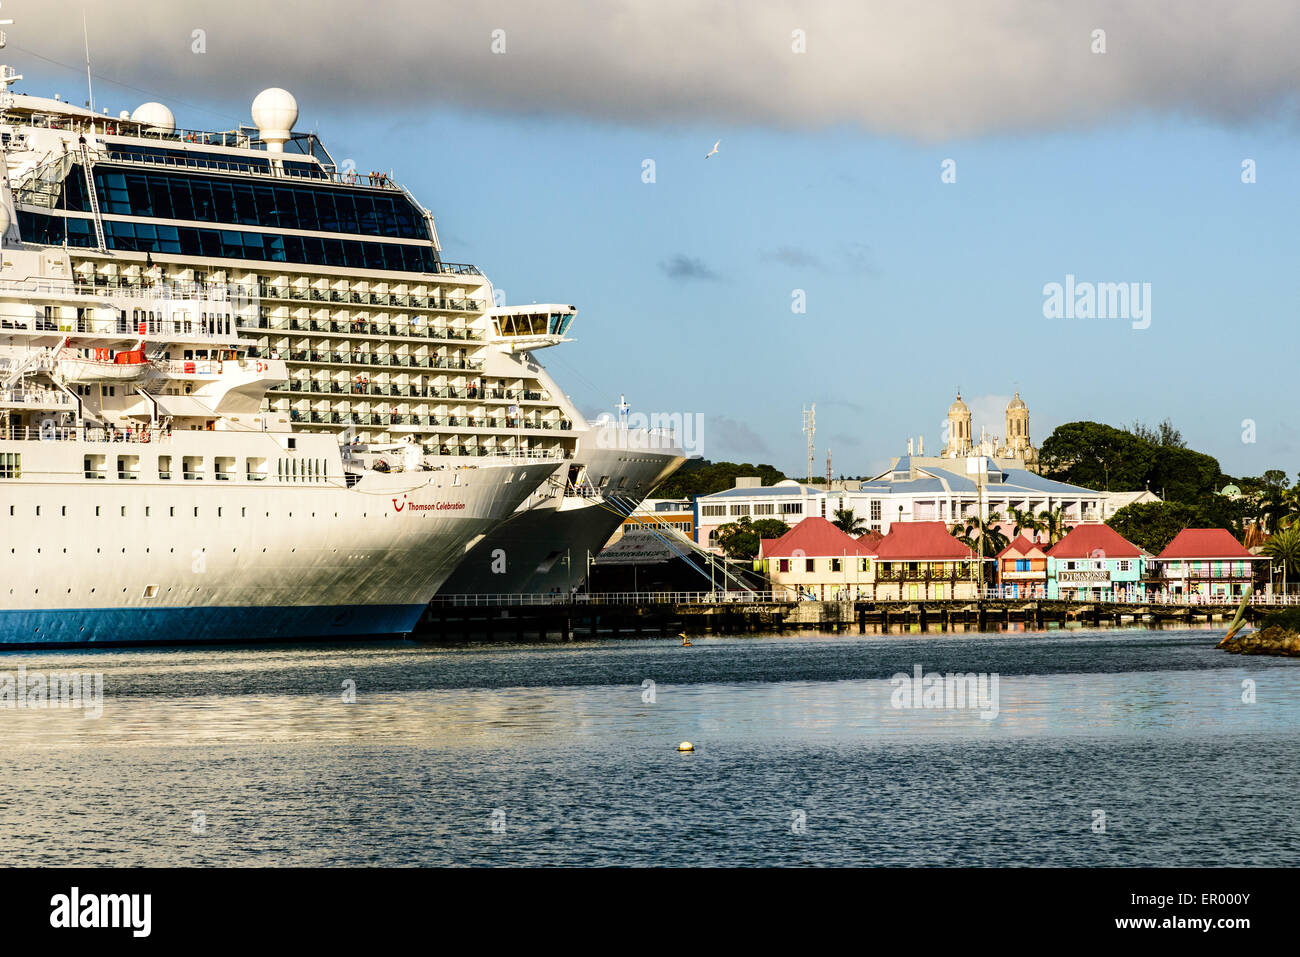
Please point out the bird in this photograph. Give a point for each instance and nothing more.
(714, 150)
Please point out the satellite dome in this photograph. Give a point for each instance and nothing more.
(274, 113)
(155, 116)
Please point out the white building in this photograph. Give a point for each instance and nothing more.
(909, 492)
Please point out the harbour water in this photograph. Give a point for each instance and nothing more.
(566, 755)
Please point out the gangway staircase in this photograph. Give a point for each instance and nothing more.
(94, 199)
(698, 557)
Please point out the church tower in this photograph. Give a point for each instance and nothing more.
(1017, 437)
(959, 442)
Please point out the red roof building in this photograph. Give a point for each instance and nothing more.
(1022, 569)
(1094, 541)
(816, 560)
(1203, 543)
(921, 560)
(921, 541)
(1095, 563)
(1204, 564)
(813, 537)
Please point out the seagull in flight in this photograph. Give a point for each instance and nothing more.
(714, 150)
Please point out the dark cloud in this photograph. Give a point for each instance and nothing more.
(924, 69)
(793, 256)
(729, 440)
(682, 268)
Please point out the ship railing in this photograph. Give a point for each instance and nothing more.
(30, 433)
(288, 170)
(37, 398)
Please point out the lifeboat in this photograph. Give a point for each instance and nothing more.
(101, 365)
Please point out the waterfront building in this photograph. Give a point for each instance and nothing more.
(914, 489)
(1208, 563)
(816, 560)
(1094, 562)
(921, 561)
(663, 515)
(1022, 569)
(1114, 501)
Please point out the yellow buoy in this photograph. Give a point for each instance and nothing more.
(686, 746)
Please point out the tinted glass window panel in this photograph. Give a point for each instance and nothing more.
(306, 210)
(210, 241)
(182, 201)
(326, 212)
(246, 205)
(223, 197)
(204, 210)
(137, 188)
(334, 253)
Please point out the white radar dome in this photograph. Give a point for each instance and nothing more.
(274, 113)
(156, 116)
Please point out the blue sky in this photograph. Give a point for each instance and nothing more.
(914, 287)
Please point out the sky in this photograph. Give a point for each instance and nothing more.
(896, 186)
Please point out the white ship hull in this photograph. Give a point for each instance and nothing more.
(544, 547)
(150, 560)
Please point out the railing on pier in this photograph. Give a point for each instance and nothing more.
(787, 597)
(613, 598)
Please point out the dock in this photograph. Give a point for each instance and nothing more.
(553, 618)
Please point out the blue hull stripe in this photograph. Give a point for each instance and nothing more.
(177, 626)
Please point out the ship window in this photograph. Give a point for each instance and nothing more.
(192, 468)
(11, 465)
(164, 466)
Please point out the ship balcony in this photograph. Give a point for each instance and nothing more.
(358, 327)
(380, 299)
(313, 387)
(19, 399)
(407, 420)
(385, 360)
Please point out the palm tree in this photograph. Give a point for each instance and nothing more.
(1053, 523)
(848, 523)
(1276, 507)
(986, 531)
(1285, 547)
(1024, 520)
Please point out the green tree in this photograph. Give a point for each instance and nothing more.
(1096, 456)
(1024, 520)
(992, 537)
(702, 477)
(1284, 547)
(740, 539)
(1275, 477)
(848, 523)
(1153, 525)
(1054, 525)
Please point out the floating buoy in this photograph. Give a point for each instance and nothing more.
(686, 746)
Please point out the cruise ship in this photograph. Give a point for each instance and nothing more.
(154, 488)
(340, 276)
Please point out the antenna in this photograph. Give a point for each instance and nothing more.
(810, 429)
(90, 90)
(828, 467)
